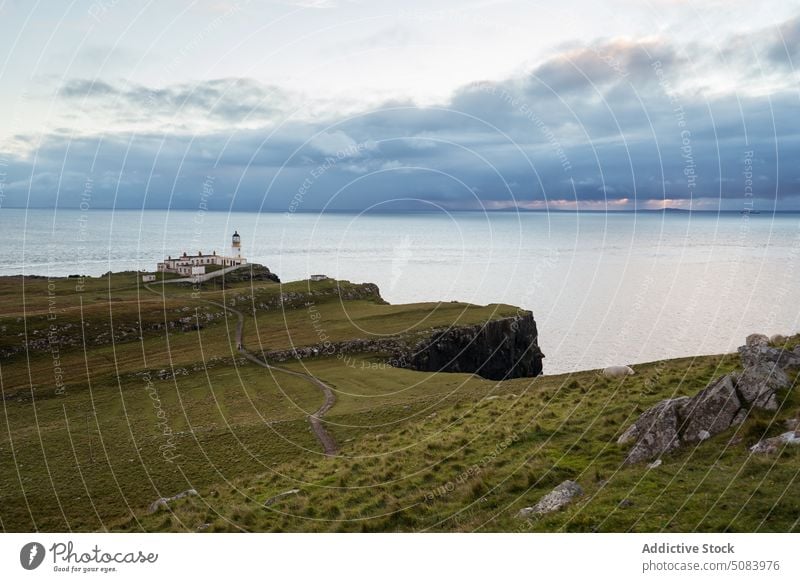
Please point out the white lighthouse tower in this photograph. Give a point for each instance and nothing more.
(236, 246)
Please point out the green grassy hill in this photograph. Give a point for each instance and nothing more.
(153, 399)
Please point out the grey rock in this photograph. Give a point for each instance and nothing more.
(630, 435)
(754, 350)
(724, 402)
(163, 502)
(280, 496)
(559, 497)
(712, 410)
(655, 464)
(740, 417)
(757, 350)
(655, 431)
(773, 444)
(758, 384)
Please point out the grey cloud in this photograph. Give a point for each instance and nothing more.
(621, 135)
(784, 48)
(231, 99)
(86, 88)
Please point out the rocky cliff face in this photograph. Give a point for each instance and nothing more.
(496, 350)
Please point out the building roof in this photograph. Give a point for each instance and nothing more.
(198, 255)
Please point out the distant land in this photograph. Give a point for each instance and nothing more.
(755, 212)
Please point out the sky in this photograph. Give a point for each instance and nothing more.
(310, 105)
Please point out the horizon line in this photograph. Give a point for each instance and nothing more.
(423, 211)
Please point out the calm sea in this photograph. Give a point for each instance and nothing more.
(604, 288)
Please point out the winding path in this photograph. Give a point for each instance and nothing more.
(315, 420)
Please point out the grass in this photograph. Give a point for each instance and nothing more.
(338, 321)
(469, 459)
(161, 409)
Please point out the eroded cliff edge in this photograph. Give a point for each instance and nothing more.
(498, 349)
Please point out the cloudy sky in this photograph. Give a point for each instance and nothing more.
(349, 105)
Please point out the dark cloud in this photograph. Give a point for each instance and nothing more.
(607, 121)
(784, 46)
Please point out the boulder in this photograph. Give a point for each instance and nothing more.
(724, 402)
(753, 349)
(163, 502)
(655, 431)
(280, 496)
(772, 445)
(758, 384)
(555, 500)
(618, 371)
(757, 350)
(711, 411)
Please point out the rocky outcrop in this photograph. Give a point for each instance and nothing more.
(499, 349)
(725, 402)
(759, 383)
(559, 497)
(655, 432)
(251, 272)
(496, 350)
(757, 349)
(236, 274)
(712, 410)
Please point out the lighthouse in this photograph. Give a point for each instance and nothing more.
(236, 246)
(196, 264)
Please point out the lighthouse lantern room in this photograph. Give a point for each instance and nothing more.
(236, 245)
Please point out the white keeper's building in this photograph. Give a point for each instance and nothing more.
(196, 264)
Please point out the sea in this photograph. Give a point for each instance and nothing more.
(604, 288)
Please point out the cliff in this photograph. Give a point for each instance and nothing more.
(497, 349)
(493, 341)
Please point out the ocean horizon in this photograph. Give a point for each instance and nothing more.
(605, 288)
